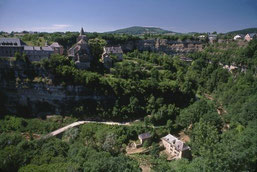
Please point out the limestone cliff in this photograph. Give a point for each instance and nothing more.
(24, 94)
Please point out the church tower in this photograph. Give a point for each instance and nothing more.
(82, 35)
(81, 32)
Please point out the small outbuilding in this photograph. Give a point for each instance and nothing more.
(143, 137)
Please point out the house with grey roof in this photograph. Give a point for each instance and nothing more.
(175, 147)
(9, 46)
(36, 53)
(250, 36)
(143, 137)
(58, 49)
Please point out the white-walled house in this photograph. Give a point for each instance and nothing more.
(175, 147)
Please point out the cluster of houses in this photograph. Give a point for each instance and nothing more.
(80, 52)
(214, 37)
(175, 148)
(248, 37)
(9, 46)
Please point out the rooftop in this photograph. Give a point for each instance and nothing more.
(252, 34)
(28, 48)
(178, 144)
(36, 48)
(55, 45)
(47, 48)
(144, 136)
(11, 42)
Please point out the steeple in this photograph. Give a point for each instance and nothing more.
(82, 35)
(82, 32)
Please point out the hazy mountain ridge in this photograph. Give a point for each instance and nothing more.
(139, 30)
(244, 31)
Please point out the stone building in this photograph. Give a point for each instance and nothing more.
(110, 52)
(58, 49)
(175, 147)
(80, 52)
(9, 46)
(36, 53)
(250, 36)
(143, 137)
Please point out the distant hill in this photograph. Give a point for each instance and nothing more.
(138, 30)
(244, 31)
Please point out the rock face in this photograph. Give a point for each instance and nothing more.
(163, 45)
(40, 98)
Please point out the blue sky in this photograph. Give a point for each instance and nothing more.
(108, 15)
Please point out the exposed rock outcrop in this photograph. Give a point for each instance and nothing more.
(23, 95)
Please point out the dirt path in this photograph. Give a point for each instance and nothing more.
(63, 129)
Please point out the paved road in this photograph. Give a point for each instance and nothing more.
(61, 130)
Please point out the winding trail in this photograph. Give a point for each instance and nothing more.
(63, 129)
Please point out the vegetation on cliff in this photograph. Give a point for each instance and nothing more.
(214, 106)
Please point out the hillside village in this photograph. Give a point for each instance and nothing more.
(80, 51)
(144, 102)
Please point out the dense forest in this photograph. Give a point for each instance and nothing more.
(215, 107)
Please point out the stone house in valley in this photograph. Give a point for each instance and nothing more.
(108, 52)
(58, 49)
(143, 137)
(175, 147)
(250, 36)
(80, 52)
